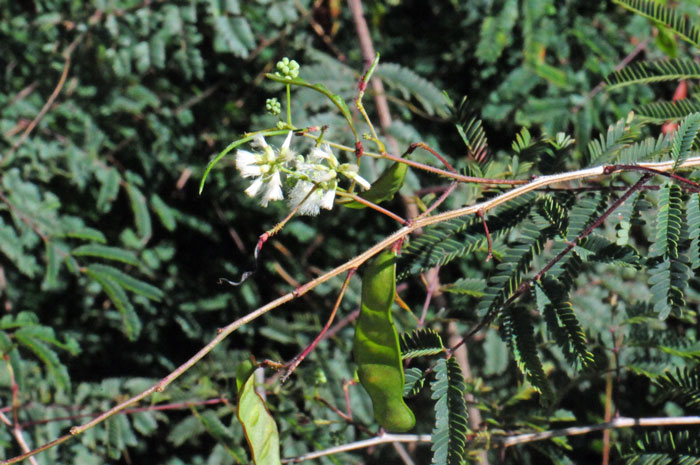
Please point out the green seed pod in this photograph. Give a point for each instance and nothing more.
(376, 346)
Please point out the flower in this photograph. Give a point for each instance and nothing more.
(317, 181)
(265, 167)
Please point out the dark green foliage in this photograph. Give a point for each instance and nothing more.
(471, 130)
(449, 435)
(562, 323)
(645, 72)
(516, 261)
(669, 221)
(517, 329)
(659, 112)
(671, 447)
(669, 17)
(420, 343)
(683, 388)
(453, 239)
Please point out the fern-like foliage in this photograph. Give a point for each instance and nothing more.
(668, 222)
(645, 72)
(472, 287)
(693, 209)
(619, 136)
(665, 448)
(684, 138)
(471, 130)
(414, 381)
(669, 277)
(585, 212)
(683, 388)
(517, 329)
(644, 150)
(452, 239)
(679, 24)
(450, 433)
(553, 301)
(410, 85)
(659, 112)
(668, 280)
(422, 342)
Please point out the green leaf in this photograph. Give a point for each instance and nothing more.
(233, 34)
(384, 188)
(422, 342)
(47, 355)
(518, 331)
(108, 191)
(684, 139)
(668, 280)
(141, 216)
(415, 378)
(411, 84)
(471, 130)
(680, 24)
(53, 265)
(128, 282)
(259, 426)
(661, 447)
(683, 388)
(449, 435)
(106, 252)
(563, 325)
(645, 72)
(473, 287)
(661, 112)
(669, 221)
(694, 230)
(116, 294)
(87, 234)
(164, 212)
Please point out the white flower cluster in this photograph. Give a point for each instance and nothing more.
(312, 181)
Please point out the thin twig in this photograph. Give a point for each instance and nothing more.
(291, 366)
(224, 332)
(61, 81)
(617, 423)
(364, 444)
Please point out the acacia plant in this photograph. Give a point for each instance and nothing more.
(510, 292)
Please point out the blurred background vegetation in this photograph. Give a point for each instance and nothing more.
(110, 259)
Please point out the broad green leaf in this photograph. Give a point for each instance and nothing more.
(259, 426)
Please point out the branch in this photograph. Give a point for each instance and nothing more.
(617, 423)
(383, 439)
(224, 332)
